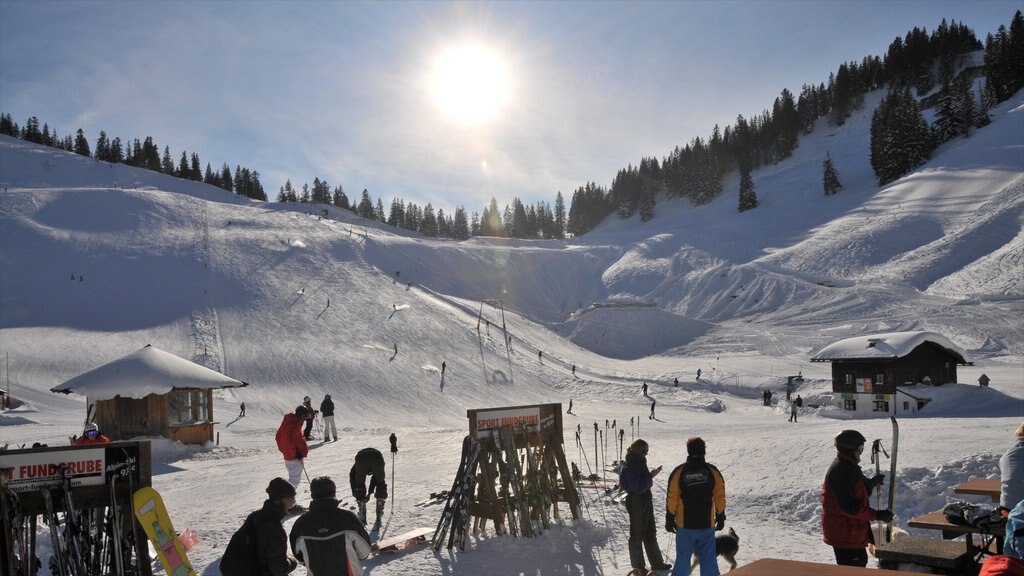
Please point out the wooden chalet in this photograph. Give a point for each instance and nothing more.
(870, 373)
(151, 393)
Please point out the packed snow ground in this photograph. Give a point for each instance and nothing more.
(97, 261)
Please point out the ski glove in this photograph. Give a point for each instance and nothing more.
(720, 521)
(883, 515)
(298, 454)
(670, 522)
(876, 481)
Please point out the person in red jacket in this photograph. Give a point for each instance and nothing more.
(91, 436)
(292, 444)
(846, 512)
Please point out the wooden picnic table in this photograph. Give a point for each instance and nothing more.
(776, 567)
(980, 487)
(937, 521)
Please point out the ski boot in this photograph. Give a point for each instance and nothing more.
(380, 509)
(362, 512)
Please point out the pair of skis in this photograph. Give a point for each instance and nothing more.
(877, 448)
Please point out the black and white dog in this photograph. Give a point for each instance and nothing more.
(727, 544)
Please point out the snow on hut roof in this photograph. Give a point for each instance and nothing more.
(144, 372)
(888, 345)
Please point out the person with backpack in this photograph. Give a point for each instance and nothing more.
(696, 508)
(846, 512)
(292, 444)
(636, 479)
(327, 409)
(327, 539)
(260, 546)
(369, 462)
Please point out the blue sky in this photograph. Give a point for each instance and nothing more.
(343, 90)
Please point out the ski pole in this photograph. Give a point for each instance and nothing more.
(303, 464)
(394, 450)
(876, 447)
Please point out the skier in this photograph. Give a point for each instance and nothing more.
(569, 411)
(636, 480)
(675, 382)
(241, 410)
(573, 370)
(794, 406)
(328, 539)
(444, 366)
(327, 409)
(369, 462)
(307, 403)
(846, 512)
(696, 508)
(91, 435)
(540, 356)
(260, 546)
(653, 402)
(698, 373)
(292, 444)
(643, 389)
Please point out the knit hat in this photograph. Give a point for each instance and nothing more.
(280, 489)
(695, 446)
(322, 487)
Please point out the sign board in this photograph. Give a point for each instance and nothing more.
(542, 419)
(30, 470)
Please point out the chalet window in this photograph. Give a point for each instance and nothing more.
(849, 404)
(881, 406)
(879, 379)
(186, 407)
(849, 379)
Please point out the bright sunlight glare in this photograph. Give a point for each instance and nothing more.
(470, 84)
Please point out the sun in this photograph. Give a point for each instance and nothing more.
(470, 84)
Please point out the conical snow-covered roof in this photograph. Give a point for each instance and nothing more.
(887, 345)
(144, 372)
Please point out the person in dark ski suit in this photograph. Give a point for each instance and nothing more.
(292, 444)
(307, 403)
(696, 509)
(329, 540)
(327, 409)
(846, 512)
(271, 541)
(368, 462)
(637, 480)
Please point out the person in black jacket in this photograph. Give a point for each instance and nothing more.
(268, 554)
(637, 481)
(369, 462)
(327, 409)
(329, 540)
(846, 512)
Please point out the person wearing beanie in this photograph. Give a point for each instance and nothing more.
(327, 409)
(271, 542)
(368, 462)
(696, 509)
(637, 480)
(1011, 473)
(327, 539)
(846, 512)
(292, 444)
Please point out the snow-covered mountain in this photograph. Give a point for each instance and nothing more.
(98, 260)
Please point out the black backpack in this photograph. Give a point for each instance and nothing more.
(240, 557)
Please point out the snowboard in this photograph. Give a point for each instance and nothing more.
(152, 515)
(403, 541)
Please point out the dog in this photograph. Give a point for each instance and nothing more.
(727, 544)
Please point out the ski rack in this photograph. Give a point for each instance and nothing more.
(84, 484)
(523, 474)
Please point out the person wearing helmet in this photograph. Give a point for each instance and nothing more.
(846, 512)
(292, 445)
(307, 403)
(91, 435)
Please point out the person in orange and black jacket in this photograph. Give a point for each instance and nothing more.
(846, 512)
(696, 508)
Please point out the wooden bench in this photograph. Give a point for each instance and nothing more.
(776, 567)
(931, 552)
(937, 521)
(990, 487)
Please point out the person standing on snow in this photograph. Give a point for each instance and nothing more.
(270, 541)
(91, 435)
(327, 408)
(369, 462)
(1011, 473)
(307, 403)
(292, 444)
(846, 512)
(637, 480)
(696, 508)
(328, 539)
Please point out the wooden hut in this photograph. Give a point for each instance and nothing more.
(151, 393)
(869, 372)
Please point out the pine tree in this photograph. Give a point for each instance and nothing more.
(748, 198)
(830, 178)
(900, 137)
